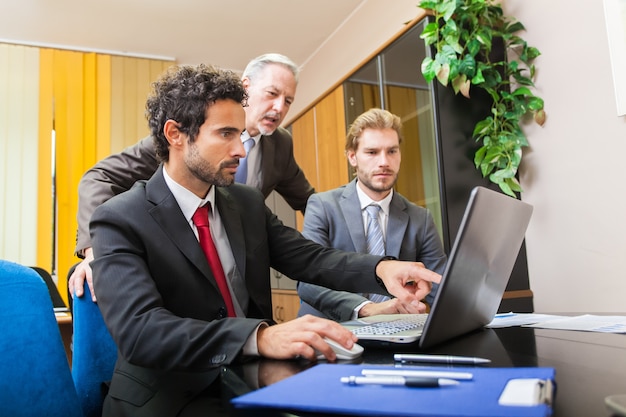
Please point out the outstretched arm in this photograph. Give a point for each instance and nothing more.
(337, 305)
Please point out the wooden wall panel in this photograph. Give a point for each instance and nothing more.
(304, 146)
(319, 142)
(331, 133)
(305, 151)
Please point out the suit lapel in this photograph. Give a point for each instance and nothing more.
(351, 209)
(166, 212)
(396, 226)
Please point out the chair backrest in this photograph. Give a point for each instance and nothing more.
(35, 375)
(57, 300)
(93, 356)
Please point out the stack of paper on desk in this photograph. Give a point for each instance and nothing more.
(585, 322)
(320, 390)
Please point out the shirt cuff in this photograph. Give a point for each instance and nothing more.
(355, 312)
(251, 348)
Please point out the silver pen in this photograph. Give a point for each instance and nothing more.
(399, 380)
(447, 359)
(418, 373)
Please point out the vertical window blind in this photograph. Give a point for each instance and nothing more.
(60, 112)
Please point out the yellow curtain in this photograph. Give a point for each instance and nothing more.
(60, 112)
(93, 111)
(73, 106)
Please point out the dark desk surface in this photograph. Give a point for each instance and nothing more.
(589, 366)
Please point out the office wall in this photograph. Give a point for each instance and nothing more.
(369, 27)
(573, 173)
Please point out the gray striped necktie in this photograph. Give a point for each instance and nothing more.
(241, 176)
(375, 242)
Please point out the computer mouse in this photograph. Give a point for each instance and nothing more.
(343, 353)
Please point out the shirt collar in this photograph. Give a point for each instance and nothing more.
(245, 136)
(365, 200)
(188, 201)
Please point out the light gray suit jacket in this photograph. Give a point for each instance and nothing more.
(333, 218)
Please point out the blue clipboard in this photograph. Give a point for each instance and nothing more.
(319, 390)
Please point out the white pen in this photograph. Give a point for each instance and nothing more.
(399, 380)
(448, 359)
(416, 373)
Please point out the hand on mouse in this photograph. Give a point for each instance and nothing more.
(343, 353)
(302, 337)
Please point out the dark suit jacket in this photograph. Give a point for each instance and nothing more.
(333, 218)
(160, 301)
(117, 173)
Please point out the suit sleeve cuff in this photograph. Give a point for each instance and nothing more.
(251, 348)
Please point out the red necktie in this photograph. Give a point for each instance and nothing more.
(201, 220)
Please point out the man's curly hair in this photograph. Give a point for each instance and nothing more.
(182, 94)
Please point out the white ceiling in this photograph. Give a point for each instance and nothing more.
(227, 33)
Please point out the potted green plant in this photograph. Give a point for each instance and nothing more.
(462, 33)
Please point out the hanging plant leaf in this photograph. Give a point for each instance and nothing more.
(462, 35)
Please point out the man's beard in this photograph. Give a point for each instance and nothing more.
(204, 171)
(366, 180)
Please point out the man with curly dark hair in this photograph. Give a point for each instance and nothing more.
(270, 81)
(182, 261)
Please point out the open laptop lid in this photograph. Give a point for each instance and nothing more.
(479, 266)
(476, 274)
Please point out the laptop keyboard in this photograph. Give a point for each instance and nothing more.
(392, 327)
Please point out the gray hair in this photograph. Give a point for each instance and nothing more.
(259, 63)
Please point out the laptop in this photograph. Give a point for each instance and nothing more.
(475, 277)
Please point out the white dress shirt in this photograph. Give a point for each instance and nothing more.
(189, 203)
(383, 218)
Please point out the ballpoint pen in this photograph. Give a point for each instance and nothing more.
(399, 380)
(418, 373)
(448, 359)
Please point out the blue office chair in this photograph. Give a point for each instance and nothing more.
(35, 375)
(57, 301)
(93, 356)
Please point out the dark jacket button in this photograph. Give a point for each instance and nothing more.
(218, 359)
(222, 313)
